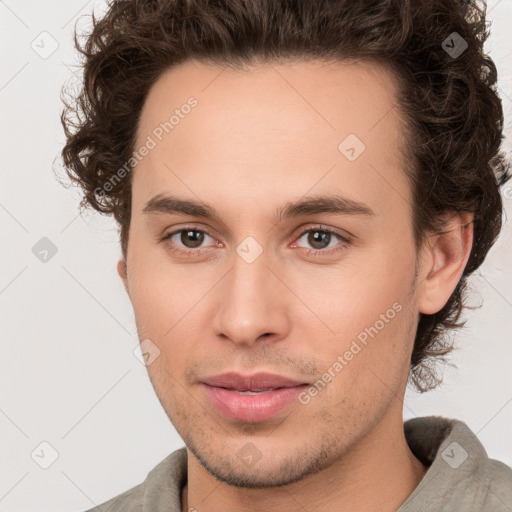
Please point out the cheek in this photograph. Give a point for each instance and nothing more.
(351, 296)
(371, 327)
(163, 293)
(367, 370)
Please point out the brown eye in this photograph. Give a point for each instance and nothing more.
(192, 238)
(188, 239)
(322, 240)
(319, 239)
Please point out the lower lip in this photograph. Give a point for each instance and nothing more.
(260, 407)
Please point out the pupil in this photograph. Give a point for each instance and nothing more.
(319, 237)
(195, 238)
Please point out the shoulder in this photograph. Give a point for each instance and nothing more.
(499, 491)
(128, 501)
(460, 474)
(160, 491)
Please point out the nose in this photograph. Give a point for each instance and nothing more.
(254, 303)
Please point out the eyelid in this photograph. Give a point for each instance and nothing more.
(346, 237)
(188, 227)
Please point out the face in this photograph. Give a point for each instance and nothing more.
(321, 292)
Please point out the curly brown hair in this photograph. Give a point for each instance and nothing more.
(452, 113)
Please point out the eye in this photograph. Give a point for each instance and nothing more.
(323, 240)
(187, 240)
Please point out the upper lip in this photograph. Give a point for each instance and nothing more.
(255, 382)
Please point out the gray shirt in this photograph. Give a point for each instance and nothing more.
(460, 477)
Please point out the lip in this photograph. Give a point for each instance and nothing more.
(280, 393)
(252, 408)
(255, 382)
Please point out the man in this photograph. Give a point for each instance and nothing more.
(302, 190)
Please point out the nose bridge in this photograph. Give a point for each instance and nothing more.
(251, 303)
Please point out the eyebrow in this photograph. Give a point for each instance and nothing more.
(332, 204)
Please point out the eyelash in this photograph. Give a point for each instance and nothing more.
(315, 252)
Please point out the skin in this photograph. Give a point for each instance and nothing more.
(258, 139)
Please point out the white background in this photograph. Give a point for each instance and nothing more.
(68, 373)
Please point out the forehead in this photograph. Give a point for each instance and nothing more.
(272, 130)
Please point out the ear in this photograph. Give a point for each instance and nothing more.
(443, 259)
(122, 271)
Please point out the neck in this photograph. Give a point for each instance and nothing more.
(378, 473)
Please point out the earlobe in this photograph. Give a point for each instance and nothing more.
(444, 259)
(122, 271)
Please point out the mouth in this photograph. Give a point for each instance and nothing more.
(253, 398)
